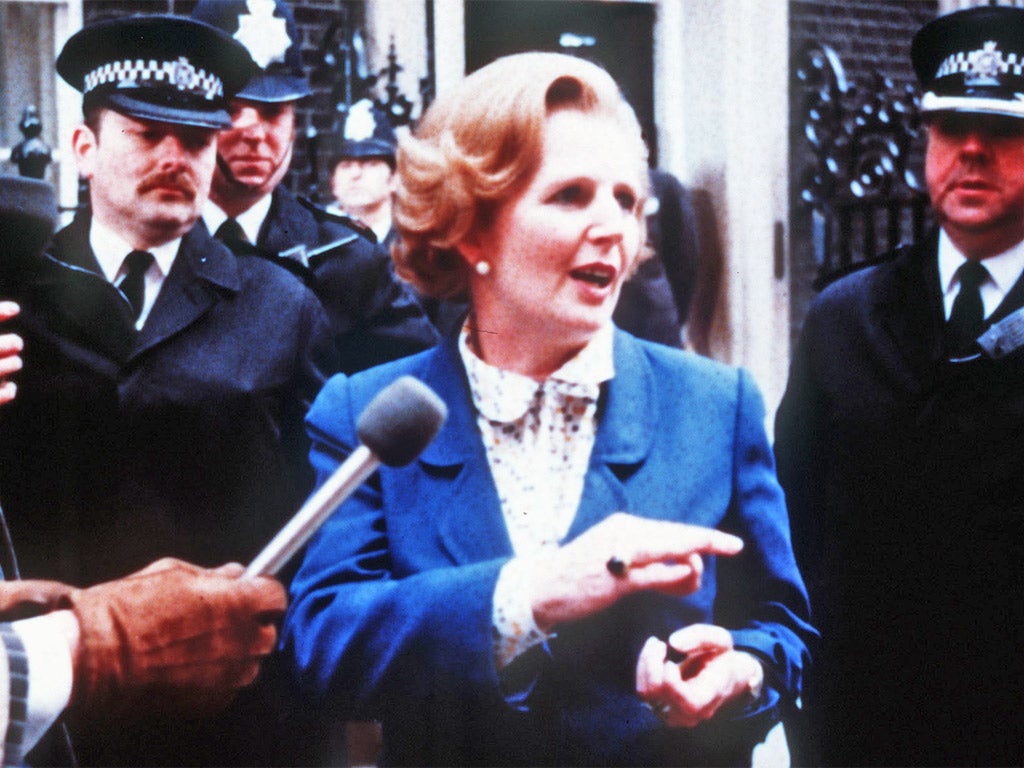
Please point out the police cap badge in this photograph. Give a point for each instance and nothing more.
(267, 29)
(365, 132)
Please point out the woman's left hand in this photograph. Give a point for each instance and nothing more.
(710, 675)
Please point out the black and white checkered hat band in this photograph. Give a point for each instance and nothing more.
(179, 74)
(966, 62)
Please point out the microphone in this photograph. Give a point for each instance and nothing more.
(393, 429)
(28, 217)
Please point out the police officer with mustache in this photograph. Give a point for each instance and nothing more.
(165, 381)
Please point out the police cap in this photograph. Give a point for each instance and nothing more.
(365, 132)
(166, 68)
(972, 61)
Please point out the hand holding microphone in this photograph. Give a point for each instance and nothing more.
(177, 639)
(171, 639)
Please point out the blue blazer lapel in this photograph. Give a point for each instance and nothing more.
(470, 521)
(202, 272)
(626, 426)
(468, 512)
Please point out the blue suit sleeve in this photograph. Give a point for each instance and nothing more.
(761, 596)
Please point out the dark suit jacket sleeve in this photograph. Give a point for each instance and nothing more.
(316, 358)
(374, 315)
(319, 354)
(363, 635)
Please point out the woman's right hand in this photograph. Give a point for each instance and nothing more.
(575, 581)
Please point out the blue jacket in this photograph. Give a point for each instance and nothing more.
(391, 608)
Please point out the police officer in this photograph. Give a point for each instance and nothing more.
(363, 181)
(899, 440)
(374, 316)
(363, 168)
(160, 408)
(172, 636)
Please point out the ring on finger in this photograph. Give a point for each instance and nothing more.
(617, 567)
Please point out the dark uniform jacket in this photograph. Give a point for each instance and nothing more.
(184, 439)
(655, 301)
(904, 474)
(374, 316)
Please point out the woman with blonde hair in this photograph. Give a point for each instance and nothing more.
(591, 563)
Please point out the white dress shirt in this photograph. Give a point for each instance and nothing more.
(250, 221)
(111, 249)
(1003, 271)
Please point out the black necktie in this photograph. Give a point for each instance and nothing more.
(967, 320)
(231, 232)
(134, 284)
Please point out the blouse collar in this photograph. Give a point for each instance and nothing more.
(504, 396)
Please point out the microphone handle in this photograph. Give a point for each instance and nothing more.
(360, 464)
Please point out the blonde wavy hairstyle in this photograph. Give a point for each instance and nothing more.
(478, 146)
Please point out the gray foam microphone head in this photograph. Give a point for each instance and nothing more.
(401, 420)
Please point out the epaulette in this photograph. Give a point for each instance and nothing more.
(823, 281)
(293, 259)
(359, 227)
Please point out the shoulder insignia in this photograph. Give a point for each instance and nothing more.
(297, 254)
(323, 251)
(295, 260)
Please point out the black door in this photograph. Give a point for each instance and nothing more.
(618, 36)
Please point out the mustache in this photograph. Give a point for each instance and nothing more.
(179, 180)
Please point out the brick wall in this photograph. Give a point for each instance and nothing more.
(313, 18)
(867, 34)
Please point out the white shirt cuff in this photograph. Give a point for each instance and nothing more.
(50, 674)
(515, 630)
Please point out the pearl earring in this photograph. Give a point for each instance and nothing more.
(482, 268)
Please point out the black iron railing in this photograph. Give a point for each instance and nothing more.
(862, 194)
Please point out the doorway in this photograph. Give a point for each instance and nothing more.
(617, 35)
